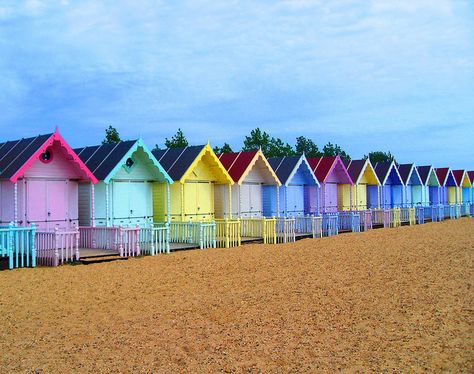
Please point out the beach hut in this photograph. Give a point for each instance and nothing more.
(470, 175)
(365, 193)
(201, 198)
(332, 176)
(391, 190)
(430, 185)
(413, 186)
(298, 196)
(251, 174)
(448, 185)
(127, 172)
(463, 191)
(39, 182)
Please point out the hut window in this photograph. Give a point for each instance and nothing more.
(46, 156)
(129, 164)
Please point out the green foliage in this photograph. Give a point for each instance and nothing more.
(379, 156)
(271, 147)
(111, 136)
(333, 150)
(226, 148)
(307, 147)
(257, 139)
(178, 140)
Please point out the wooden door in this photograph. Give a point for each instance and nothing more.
(295, 200)
(256, 205)
(121, 203)
(245, 200)
(36, 204)
(190, 201)
(205, 201)
(140, 203)
(57, 206)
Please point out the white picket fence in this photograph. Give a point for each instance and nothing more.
(57, 247)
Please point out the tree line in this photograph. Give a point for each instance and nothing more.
(270, 146)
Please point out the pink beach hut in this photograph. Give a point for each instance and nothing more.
(39, 179)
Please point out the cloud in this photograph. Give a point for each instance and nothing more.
(349, 71)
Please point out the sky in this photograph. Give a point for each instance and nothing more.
(369, 75)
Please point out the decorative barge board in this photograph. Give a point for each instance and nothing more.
(39, 179)
(298, 196)
(391, 195)
(430, 185)
(463, 191)
(197, 208)
(448, 186)
(413, 186)
(127, 172)
(251, 174)
(365, 193)
(334, 179)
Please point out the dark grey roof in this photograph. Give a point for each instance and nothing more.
(404, 171)
(382, 169)
(283, 166)
(424, 172)
(14, 154)
(102, 159)
(176, 161)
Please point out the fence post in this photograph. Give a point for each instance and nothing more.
(138, 249)
(56, 247)
(78, 255)
(10, 245)
(120, 239)
(33, 245)
(168, 238)
(201, 242)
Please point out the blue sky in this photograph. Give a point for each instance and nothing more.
(368, 75)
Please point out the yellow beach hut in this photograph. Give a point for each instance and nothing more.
(194, 197)
(365, 192)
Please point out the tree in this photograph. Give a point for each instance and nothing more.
(334, 150)
(278, 148)
(226, 148)
(111, 136)
(379, 156)
(257, 139)
(307, 147)
(178, 140)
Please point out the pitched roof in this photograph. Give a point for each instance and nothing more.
(470, 174)
(442, 174)
(459, 176)
(237, 163)
(17, 155)
(102, 159)
(322, 167)
(355, 168)
(177, 161)
(383, 170)
(284, 166)
(424, 173)
(405, 170)
(105, 159)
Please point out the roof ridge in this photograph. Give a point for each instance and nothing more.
(106, 157)
(20, 153)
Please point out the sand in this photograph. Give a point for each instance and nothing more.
(389, 300)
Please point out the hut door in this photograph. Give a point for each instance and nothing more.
(255, 193)
(121, 203)
(205, 199)
(140, 203)
(245, 200)
(36, 203)
(295, 200)
(57, 211)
